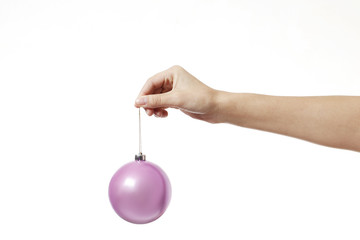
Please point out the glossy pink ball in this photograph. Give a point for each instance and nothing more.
(140, 192)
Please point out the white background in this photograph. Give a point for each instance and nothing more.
(71, 70)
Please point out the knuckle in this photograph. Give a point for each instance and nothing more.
(177, 68)
(176, 71)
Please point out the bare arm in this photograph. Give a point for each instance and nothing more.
(331, 121)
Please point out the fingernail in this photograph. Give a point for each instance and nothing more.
(141, 101)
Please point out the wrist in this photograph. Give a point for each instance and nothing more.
(222, 105)
(230, 107)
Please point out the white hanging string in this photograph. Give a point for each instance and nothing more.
(140, 146)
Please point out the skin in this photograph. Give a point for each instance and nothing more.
(332, 121)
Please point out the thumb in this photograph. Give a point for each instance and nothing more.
(156, 101)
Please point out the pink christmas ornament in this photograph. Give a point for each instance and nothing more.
(140, 191)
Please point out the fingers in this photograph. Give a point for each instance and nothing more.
(162, 100)
(157, 94)
(157, 112)
(161, 82)
(149, 111)
(161, 113)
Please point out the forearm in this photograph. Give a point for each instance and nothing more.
(332, 121)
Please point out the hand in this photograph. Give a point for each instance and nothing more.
(176, 88)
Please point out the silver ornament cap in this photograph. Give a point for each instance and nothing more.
(140, 157)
